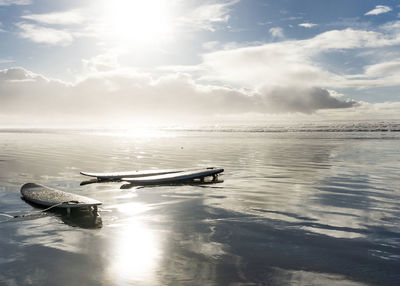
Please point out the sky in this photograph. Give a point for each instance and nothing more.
(121, 63)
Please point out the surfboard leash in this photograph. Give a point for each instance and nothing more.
(32, 213)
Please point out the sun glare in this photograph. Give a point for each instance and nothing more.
(136, 22)
(135, 254)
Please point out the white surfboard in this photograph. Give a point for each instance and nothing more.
(178, 177)
(142, 173)
(47, 197)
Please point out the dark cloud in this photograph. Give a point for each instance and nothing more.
(304, 100)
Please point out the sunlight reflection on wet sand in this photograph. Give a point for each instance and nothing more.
(134, 250)
(134, 253)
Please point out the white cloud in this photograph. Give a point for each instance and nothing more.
(181, 69)
(45, 35)
(212, 45)
(101, 63)
(207, 16)
(94, 21)
(350, 39)
(118, 96)
(383, 74)
(335, 94)
(16, 74)
(296, 63)
(277, 64)
(58, 18)
(47, 29)
(378, 75)
(307, 25)
(392, 27)
(391, 68)
(277, 32)
(15, 2)
(379, 9)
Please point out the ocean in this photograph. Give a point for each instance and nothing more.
(299, 204)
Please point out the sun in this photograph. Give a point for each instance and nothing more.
(136, 22)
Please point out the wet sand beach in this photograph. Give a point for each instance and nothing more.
(294, 208)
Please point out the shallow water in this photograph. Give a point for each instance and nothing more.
(295, 208)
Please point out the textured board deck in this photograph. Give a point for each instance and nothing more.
(48, 197)
(174, 177)
(142, 173)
